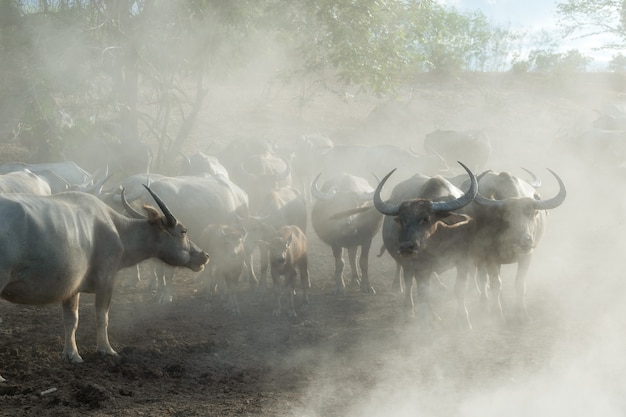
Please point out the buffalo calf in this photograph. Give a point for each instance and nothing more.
(288, 252)
(225, 245)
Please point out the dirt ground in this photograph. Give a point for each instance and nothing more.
(358, 355)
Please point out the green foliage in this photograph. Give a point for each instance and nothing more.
(618, 64)
(450, 42)
(359, 43)
(546, 61)
(142, 64)
(585, 18)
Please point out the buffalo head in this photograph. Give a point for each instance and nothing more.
(513, 214)
(426, 218)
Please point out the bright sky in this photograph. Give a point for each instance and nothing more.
(533, 15)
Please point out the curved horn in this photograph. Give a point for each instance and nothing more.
(555, 201)
(283, 175)
(186, 158)
(129, 209)
(462, 201)
(415, 152)
(171, 220)
(247, 173)
(369, 196)
(317, 193)
(536, 181)
(487, 202)
(384, 207)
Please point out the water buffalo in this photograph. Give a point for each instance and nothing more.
(201, 164)
(281, 206)
(198, 202)
(61, 176)
(288, 254)
(343, 217)
(24, 182)
(611, 117)
(225, 245)
(307, 154)
(471, 146)
(256, 167)
(510, 219)
(57, 247)
(425, 232)
(365, 160)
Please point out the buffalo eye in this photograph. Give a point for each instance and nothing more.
(183, 232)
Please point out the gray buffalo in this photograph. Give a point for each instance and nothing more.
(425, 232)
(471, 146)
(61, 176)
(57, 247)
(198, 202)
(24, 182)
(510, 219)
(343, 217)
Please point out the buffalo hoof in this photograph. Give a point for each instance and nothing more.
(463, 323)
(276, 312)
(2, 379)
(107, 352)
(368, 290)
(292, 314)
(163, 298)
(521, 318)
(340, 290)
(72, 357)
(233, 309)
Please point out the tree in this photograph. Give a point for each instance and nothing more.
(618, 64)
(586, 18)
(355, 43)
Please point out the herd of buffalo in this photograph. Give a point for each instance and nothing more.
(66, 231)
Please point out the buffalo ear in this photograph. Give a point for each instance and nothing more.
(153, 215)
(456, 219)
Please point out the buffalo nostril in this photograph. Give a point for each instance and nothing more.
(407, 247)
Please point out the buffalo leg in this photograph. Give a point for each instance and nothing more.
(232, 305)
(397, 279)
(70, 322)
(304, 278)
(103, 303)
(520, 288)
(290, 287)
(354, 268)
(460, 289)
(364, 264)
(495, 284)
(253, 282)
(264, 255)
(409, 306)
(424, 308)
(340, 285)
(277, 287)
(482, 286)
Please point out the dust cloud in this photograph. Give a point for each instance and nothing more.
(569, 360)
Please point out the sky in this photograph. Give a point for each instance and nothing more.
(533, 16)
